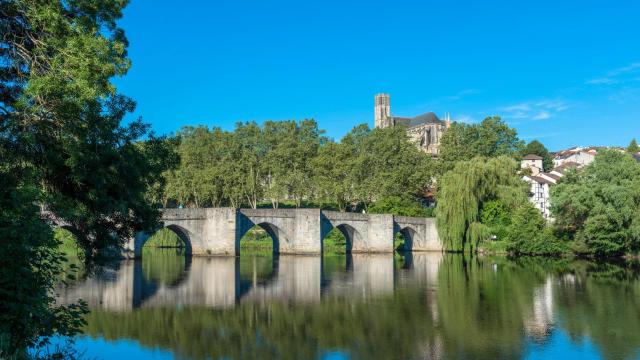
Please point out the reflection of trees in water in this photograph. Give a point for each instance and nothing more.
(257, 271)
(166, 266)
(390, 328)
(602, 302)
(481, 306)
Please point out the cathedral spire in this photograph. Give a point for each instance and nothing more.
(382, 111)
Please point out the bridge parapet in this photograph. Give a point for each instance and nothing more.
(184, 214)
(274, 213)
(350, 216)
(410, 220)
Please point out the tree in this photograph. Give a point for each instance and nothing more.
(63, 147)
(64, 116)
(333, 173)
(529, 235)
(400, 206)
(30, 266)
(633, 147)
(535, 147)
(490, 138)
(389, 165)
(598, 207)
(465, 189)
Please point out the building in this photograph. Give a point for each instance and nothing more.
(424, 130)
(533, 162)
(541, 182)
(581, 156)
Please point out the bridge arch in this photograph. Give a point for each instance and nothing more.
(278, 236)
(408, 234)
(353, 237)
(183, 234)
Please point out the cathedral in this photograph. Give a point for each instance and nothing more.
(424, 130)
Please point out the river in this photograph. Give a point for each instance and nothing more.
(416, 306)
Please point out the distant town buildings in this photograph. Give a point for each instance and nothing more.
(581, 156)
(541, 182)
(424, 130)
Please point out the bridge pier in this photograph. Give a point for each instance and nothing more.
(379, 234)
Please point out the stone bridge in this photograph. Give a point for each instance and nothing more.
(217, 231)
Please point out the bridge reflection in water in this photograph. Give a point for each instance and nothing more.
(219, 282)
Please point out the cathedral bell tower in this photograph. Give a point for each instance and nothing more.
(382, 111)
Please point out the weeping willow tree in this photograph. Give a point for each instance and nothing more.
(463, 191)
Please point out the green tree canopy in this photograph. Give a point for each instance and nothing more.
(492, 137)
(633, 147)
(535, 147)
(63, 147)
(599, 206)
(64, 115)
(291, 160)
(529, 234)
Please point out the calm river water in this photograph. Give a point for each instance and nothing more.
(424, 306)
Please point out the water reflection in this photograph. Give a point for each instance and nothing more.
(163, 279)
(367, 306)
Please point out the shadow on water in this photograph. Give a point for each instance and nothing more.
(410, 305)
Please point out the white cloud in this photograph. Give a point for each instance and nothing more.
(534, 110)
(542, 115)
(616, 76)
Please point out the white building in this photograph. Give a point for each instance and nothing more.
(541, 182)
(578, 155)
(539, 193)
(533, 162)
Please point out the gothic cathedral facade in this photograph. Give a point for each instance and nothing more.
(424, 130)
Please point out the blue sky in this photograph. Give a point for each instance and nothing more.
(563, 72)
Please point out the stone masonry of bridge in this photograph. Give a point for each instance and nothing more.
(217, 231)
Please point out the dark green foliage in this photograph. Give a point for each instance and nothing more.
(633, 147)
(165, 266)
(388, 165)
(599, 206)
(30, 265)
(463, 192)
(292, 163)
(164, 238)
(535, 147)
(220, 168)
(496, 215)
(399, 206)
(62, 146)
(492, 137)
(63, 116)
(529, 235)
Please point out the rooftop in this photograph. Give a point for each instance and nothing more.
(426, 118)
(532, 157)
